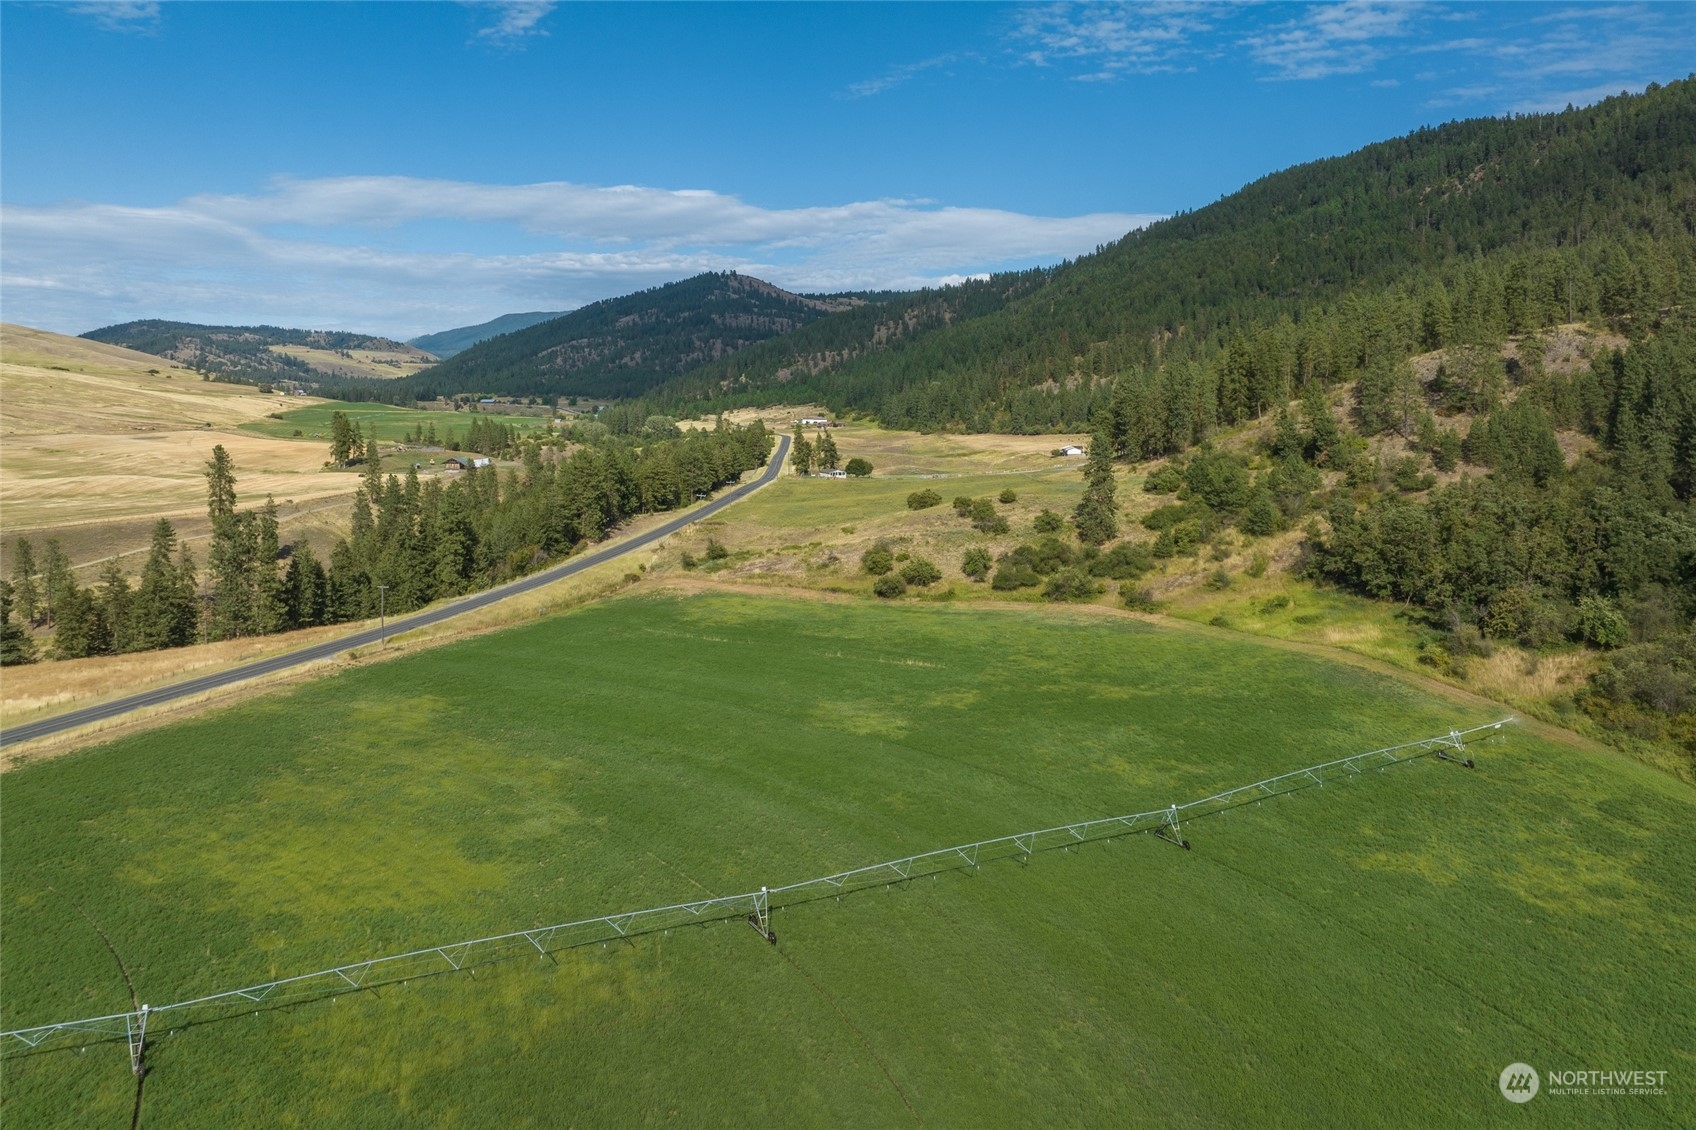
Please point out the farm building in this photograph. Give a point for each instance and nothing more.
(1071, 449)
(833, 474)
(814, 422)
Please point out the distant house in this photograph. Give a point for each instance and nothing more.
(456, 464)
(836, 474)
(814, 422)
(481, 461)
(1071, 449)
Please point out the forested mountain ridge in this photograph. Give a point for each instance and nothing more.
(446, 343)
(623, 347)
(244, 353)
(1583, 214)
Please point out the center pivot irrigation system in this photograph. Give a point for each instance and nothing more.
(755, 906)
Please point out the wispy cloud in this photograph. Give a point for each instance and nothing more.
(1574, 55)
(515, 21)
(370, 251)
(133, 16)
(1114, 39)
(1331, 39)
(896, 76)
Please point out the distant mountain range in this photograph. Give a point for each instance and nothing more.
(446, 343)
(623, 347)
(268, 353)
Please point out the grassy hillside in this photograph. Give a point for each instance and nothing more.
(625, 346)
(98, 433)
(446, 343)
(1317, 960)
(266, 354)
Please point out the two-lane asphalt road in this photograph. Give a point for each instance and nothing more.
(103, 711)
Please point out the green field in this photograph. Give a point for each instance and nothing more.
(392, 424)
(1359, 955)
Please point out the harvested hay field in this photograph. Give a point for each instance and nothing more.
(97, 433)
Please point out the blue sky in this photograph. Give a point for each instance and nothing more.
(405, 167)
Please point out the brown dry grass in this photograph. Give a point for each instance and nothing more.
(379, 363)
(58, 480)
(1515, 675)
(96, 433)
(51, 384)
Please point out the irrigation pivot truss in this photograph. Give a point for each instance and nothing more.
(756, 906)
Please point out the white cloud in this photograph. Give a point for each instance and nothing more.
(405, 255)
(1331, 39)
(1114, 39)
(896, 76)
(137, 16)
(515, 20)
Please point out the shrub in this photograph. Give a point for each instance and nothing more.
(1257, 568)
(976, 563)
(1166, 480)
(1014, 575)
(689, 561)
(1601, 623)
(962, 506)
(1142, 600)
(1124, 562)
(1049, 555)
(1408, 478)
(919, 572)
(716, 551)
(1177, 541)
(1009, 496)
(1219, 581)
(1048, 522)
(1072, 584)
(1261, 517)
(923, 500)
(1165, 517)
(858, 468)
(1218, 478)
(877, 561)
(889, 586)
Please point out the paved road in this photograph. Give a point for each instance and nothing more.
(61, 722)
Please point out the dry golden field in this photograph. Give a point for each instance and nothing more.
(96, 441)
(380, 363)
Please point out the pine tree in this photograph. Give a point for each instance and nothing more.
(115, 600)
(827, 453)
(801, 458)
(58, 580)
(25, 594)
(343, 433)
(162, 611)
(15, 644)
(269, 614)
(220, 486)
(1097, 513)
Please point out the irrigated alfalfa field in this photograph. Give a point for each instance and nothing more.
(1363, 954)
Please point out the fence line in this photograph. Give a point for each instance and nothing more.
(755, 905)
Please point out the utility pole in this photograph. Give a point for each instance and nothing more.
(382, 615)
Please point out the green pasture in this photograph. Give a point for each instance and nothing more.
(393, 424)
(1366, 954)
